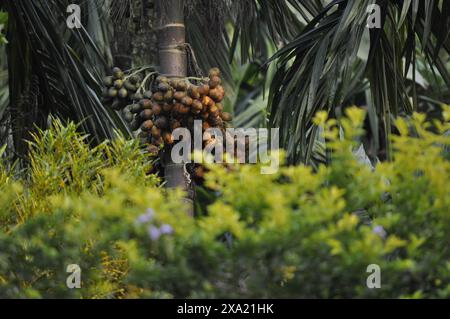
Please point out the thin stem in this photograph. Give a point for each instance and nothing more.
(139, 70)
(142, 86)
(197, 79)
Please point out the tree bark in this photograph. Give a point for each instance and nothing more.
(173, 63)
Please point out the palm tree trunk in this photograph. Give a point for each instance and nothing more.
(173, 63)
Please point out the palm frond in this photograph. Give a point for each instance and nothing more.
(217, 30)
(255, 21)
(4, 96)
(322, 68)
(206, 32)
(64, 64)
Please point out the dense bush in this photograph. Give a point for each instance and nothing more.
(296, 233)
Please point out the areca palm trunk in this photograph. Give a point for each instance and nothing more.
(173, 63)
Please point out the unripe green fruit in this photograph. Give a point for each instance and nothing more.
(123, 93)
(148, 95)
(129, 86)
(118, 74)
(135, 125)
(118, 84)
(108, 81)
(135, 108)
(128, 116)
(127, 108)
(135, 79)
(137, 97)
(112, 92)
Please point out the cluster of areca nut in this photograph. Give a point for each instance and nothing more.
(119, 89)
(167, 104)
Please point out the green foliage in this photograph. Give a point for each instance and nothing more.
(54, 70)
(3, 24)
(62, 162)
(296, 233)
(336, 59)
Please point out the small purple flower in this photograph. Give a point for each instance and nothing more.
(166, 229)
(148, 216)
(154, 233)
(379, 230)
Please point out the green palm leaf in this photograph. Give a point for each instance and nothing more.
(321, 69)
(54, 70)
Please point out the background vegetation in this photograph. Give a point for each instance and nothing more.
(297, 233)
(368, 187)
(309, 55)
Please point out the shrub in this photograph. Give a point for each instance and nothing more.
(296, 233)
